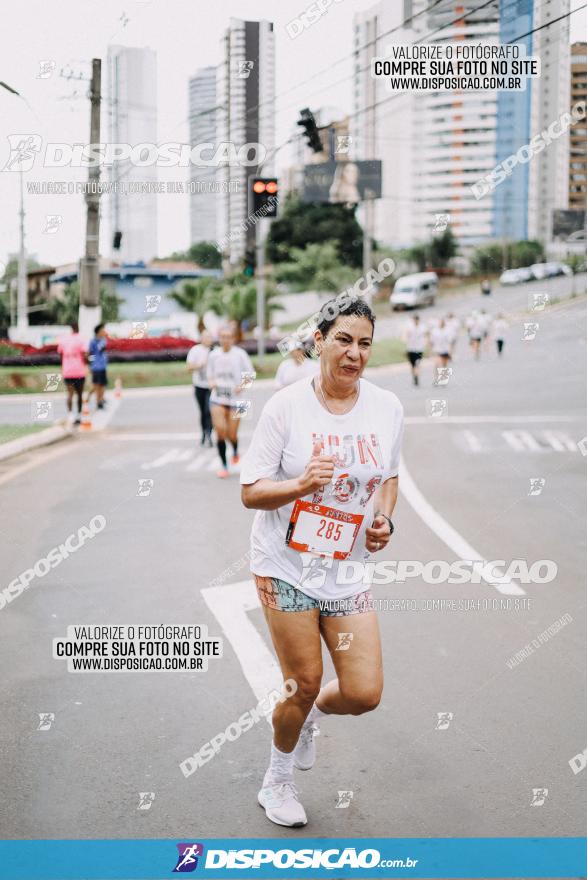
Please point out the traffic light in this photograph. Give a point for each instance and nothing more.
(250, 262)
(311, 134)
(264, 196)
(116, 240)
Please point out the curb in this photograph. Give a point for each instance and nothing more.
(33, 441)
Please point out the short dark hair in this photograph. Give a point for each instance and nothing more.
(74, 326)
(356, 307)
(98, 327)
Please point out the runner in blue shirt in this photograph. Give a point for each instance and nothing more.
(98, 364)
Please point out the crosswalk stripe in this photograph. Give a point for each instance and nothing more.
(521, 441)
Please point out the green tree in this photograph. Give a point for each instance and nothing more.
(193, 296)
(65, 309)
(524, 253)
(316, 267)
(442, 248)
(203, 253)
(302, 224)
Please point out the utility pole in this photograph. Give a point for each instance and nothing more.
(22, 321)
(90, 311)
(368, 205)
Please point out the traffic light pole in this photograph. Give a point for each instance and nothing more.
(260, 279)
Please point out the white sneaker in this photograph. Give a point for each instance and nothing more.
(281, 804)
(305, 750)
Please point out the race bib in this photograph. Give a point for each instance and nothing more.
(224, 391)
(327, 531)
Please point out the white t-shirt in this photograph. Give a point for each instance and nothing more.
(499, 328)
(225, 368)
(198, 357)
(415, 337)
(476, 327)
(366, 442)
(452, 327)
(289, 371)
(441, 340)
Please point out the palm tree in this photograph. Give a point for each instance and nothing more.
(194, 296)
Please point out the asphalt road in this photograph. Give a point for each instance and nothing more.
(467, 482)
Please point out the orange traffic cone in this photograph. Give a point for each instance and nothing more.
(86, 422)
(118, 388)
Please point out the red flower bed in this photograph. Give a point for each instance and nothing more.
(149, 343)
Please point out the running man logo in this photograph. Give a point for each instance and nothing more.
(42, 410)
(537, 302)
(441, 222)
(582, 446)
(187, 860)
(152, 302)
(242, 409)
(247, 379)
(146, 799)
(537, 484)
(52, 223)
(52, 381)
(539, 795)
(46, 719)
(343, 143)
(139, 330)
(444, 719)
(244, 69)
(23, 151)
(314, 570)
(436, 408)
(46, 68)
(443, 374)
(344, 800)
(145, 487)
(530, 330)
(344, 641)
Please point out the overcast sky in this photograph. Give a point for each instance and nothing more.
(186, 36)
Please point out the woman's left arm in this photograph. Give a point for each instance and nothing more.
(384, 500)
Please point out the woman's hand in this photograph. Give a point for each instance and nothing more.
(318, 473)
(377, 535)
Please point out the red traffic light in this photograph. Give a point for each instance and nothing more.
(259, 186)
(271, 187)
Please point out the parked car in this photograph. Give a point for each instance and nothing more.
(510, 276)
(540, 271)
(416, 290)
(525, 274)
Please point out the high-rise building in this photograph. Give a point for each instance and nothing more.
(203, 125)
(132, 119)
(246, 96)
(578, 134)
(435, 146)
(548, 172)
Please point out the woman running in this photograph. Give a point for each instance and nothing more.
(321, 471)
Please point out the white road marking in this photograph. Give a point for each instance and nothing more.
(522, 441)
(449, 535)
(229, 604)
(471, 420)
(171, 456)
(472, 442)
(134, 437)
(560, 441)
(197, 463)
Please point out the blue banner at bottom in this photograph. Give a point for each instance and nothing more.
(381, 858)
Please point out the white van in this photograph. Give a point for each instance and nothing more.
(412, 291)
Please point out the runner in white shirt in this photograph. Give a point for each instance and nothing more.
(296, 366)
(476, 329)
(499, 331)
(226, 366)
(453, 325)
(441, 337)
(321, 472)
(196, 362)
(416, 338)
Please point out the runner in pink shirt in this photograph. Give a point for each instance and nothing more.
(73, 367)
